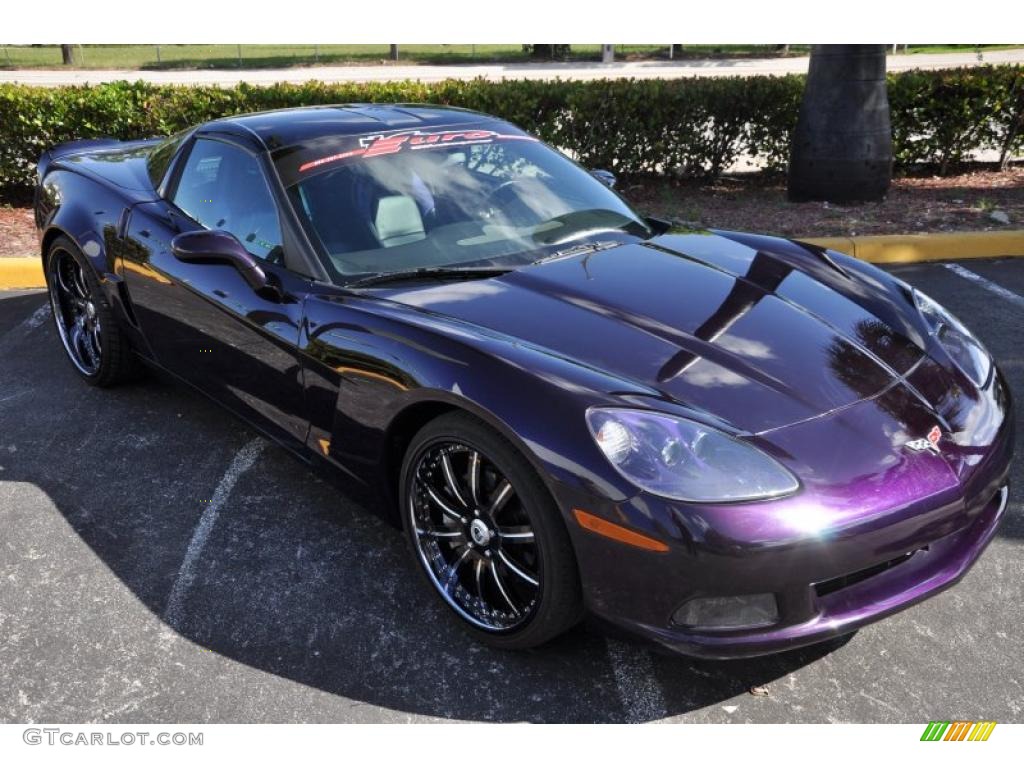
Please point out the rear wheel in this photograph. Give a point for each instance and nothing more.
(487, 534)
(92, 339)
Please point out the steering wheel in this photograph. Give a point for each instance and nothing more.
(491, 197)
(513, 208)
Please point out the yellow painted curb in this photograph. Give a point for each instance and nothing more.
(21, 273)
(895, 249)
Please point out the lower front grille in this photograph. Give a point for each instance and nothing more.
(823, 588)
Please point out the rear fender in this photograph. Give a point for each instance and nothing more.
(69, 148)
(91, 216)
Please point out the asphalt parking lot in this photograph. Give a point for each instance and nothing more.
(160, 562)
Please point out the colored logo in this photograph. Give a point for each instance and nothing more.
(928, 443)
(958, 730)
(389, 144)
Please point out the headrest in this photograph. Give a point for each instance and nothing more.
(398, 221)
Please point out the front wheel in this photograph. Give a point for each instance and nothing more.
(487, 534)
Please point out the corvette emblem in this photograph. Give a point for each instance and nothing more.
(929, 443)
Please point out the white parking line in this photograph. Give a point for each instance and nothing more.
(31, 322)
(14, 396)
(988, 285)
(36, 319)
(244, 459)
(639, 690)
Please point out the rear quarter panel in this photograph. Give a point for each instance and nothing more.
(89, 213)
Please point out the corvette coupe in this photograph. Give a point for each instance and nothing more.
(727, 443)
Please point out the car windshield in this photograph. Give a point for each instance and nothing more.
(455, 199)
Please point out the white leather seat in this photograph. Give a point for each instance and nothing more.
(398, 221)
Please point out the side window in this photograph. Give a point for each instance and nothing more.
(160, 158)
(223, 187)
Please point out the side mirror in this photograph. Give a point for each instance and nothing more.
(605, 177)
(218, 247)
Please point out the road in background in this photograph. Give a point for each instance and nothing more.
(161, 563)
(512, 71)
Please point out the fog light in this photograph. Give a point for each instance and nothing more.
(734, 612)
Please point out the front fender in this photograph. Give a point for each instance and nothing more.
(370, 364)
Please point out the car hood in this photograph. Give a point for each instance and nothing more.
(759, 332)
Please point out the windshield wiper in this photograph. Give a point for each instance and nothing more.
(577, 250)
(429, 273)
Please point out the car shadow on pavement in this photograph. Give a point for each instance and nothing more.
(310, 588)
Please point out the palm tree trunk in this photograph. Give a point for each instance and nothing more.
(842, 146)
(67, 54)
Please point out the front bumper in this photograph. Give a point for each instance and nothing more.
(905, 535)
(926, 572)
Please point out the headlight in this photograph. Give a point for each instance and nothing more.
(960, 344)
(684, 460)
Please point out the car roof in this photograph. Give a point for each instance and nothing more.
(286, 127)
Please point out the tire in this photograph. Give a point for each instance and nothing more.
(106, 359)
(528, 536)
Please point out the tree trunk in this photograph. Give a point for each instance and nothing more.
(393, 52)
(842, 145)
(550, 51)
(67, 54)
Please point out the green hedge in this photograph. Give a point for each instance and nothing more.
(697, 126)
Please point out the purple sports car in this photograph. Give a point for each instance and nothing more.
(727, 443)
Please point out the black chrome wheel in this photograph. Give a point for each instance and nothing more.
(487, 534)
(76, 312)
(474, 535)
(94, 341)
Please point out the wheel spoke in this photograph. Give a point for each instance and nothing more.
(433, 533)
(520, 535)
(449, 477)
(453, 573)
(480, 578)
(501, 588)
(78, 283)
(474, 478)
(93, 337)
(88, 345)
(501, 497)
(517, 570)
(62, 281)
(448, 510)
(75, 339)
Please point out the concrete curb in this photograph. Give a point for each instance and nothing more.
(878, 249)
